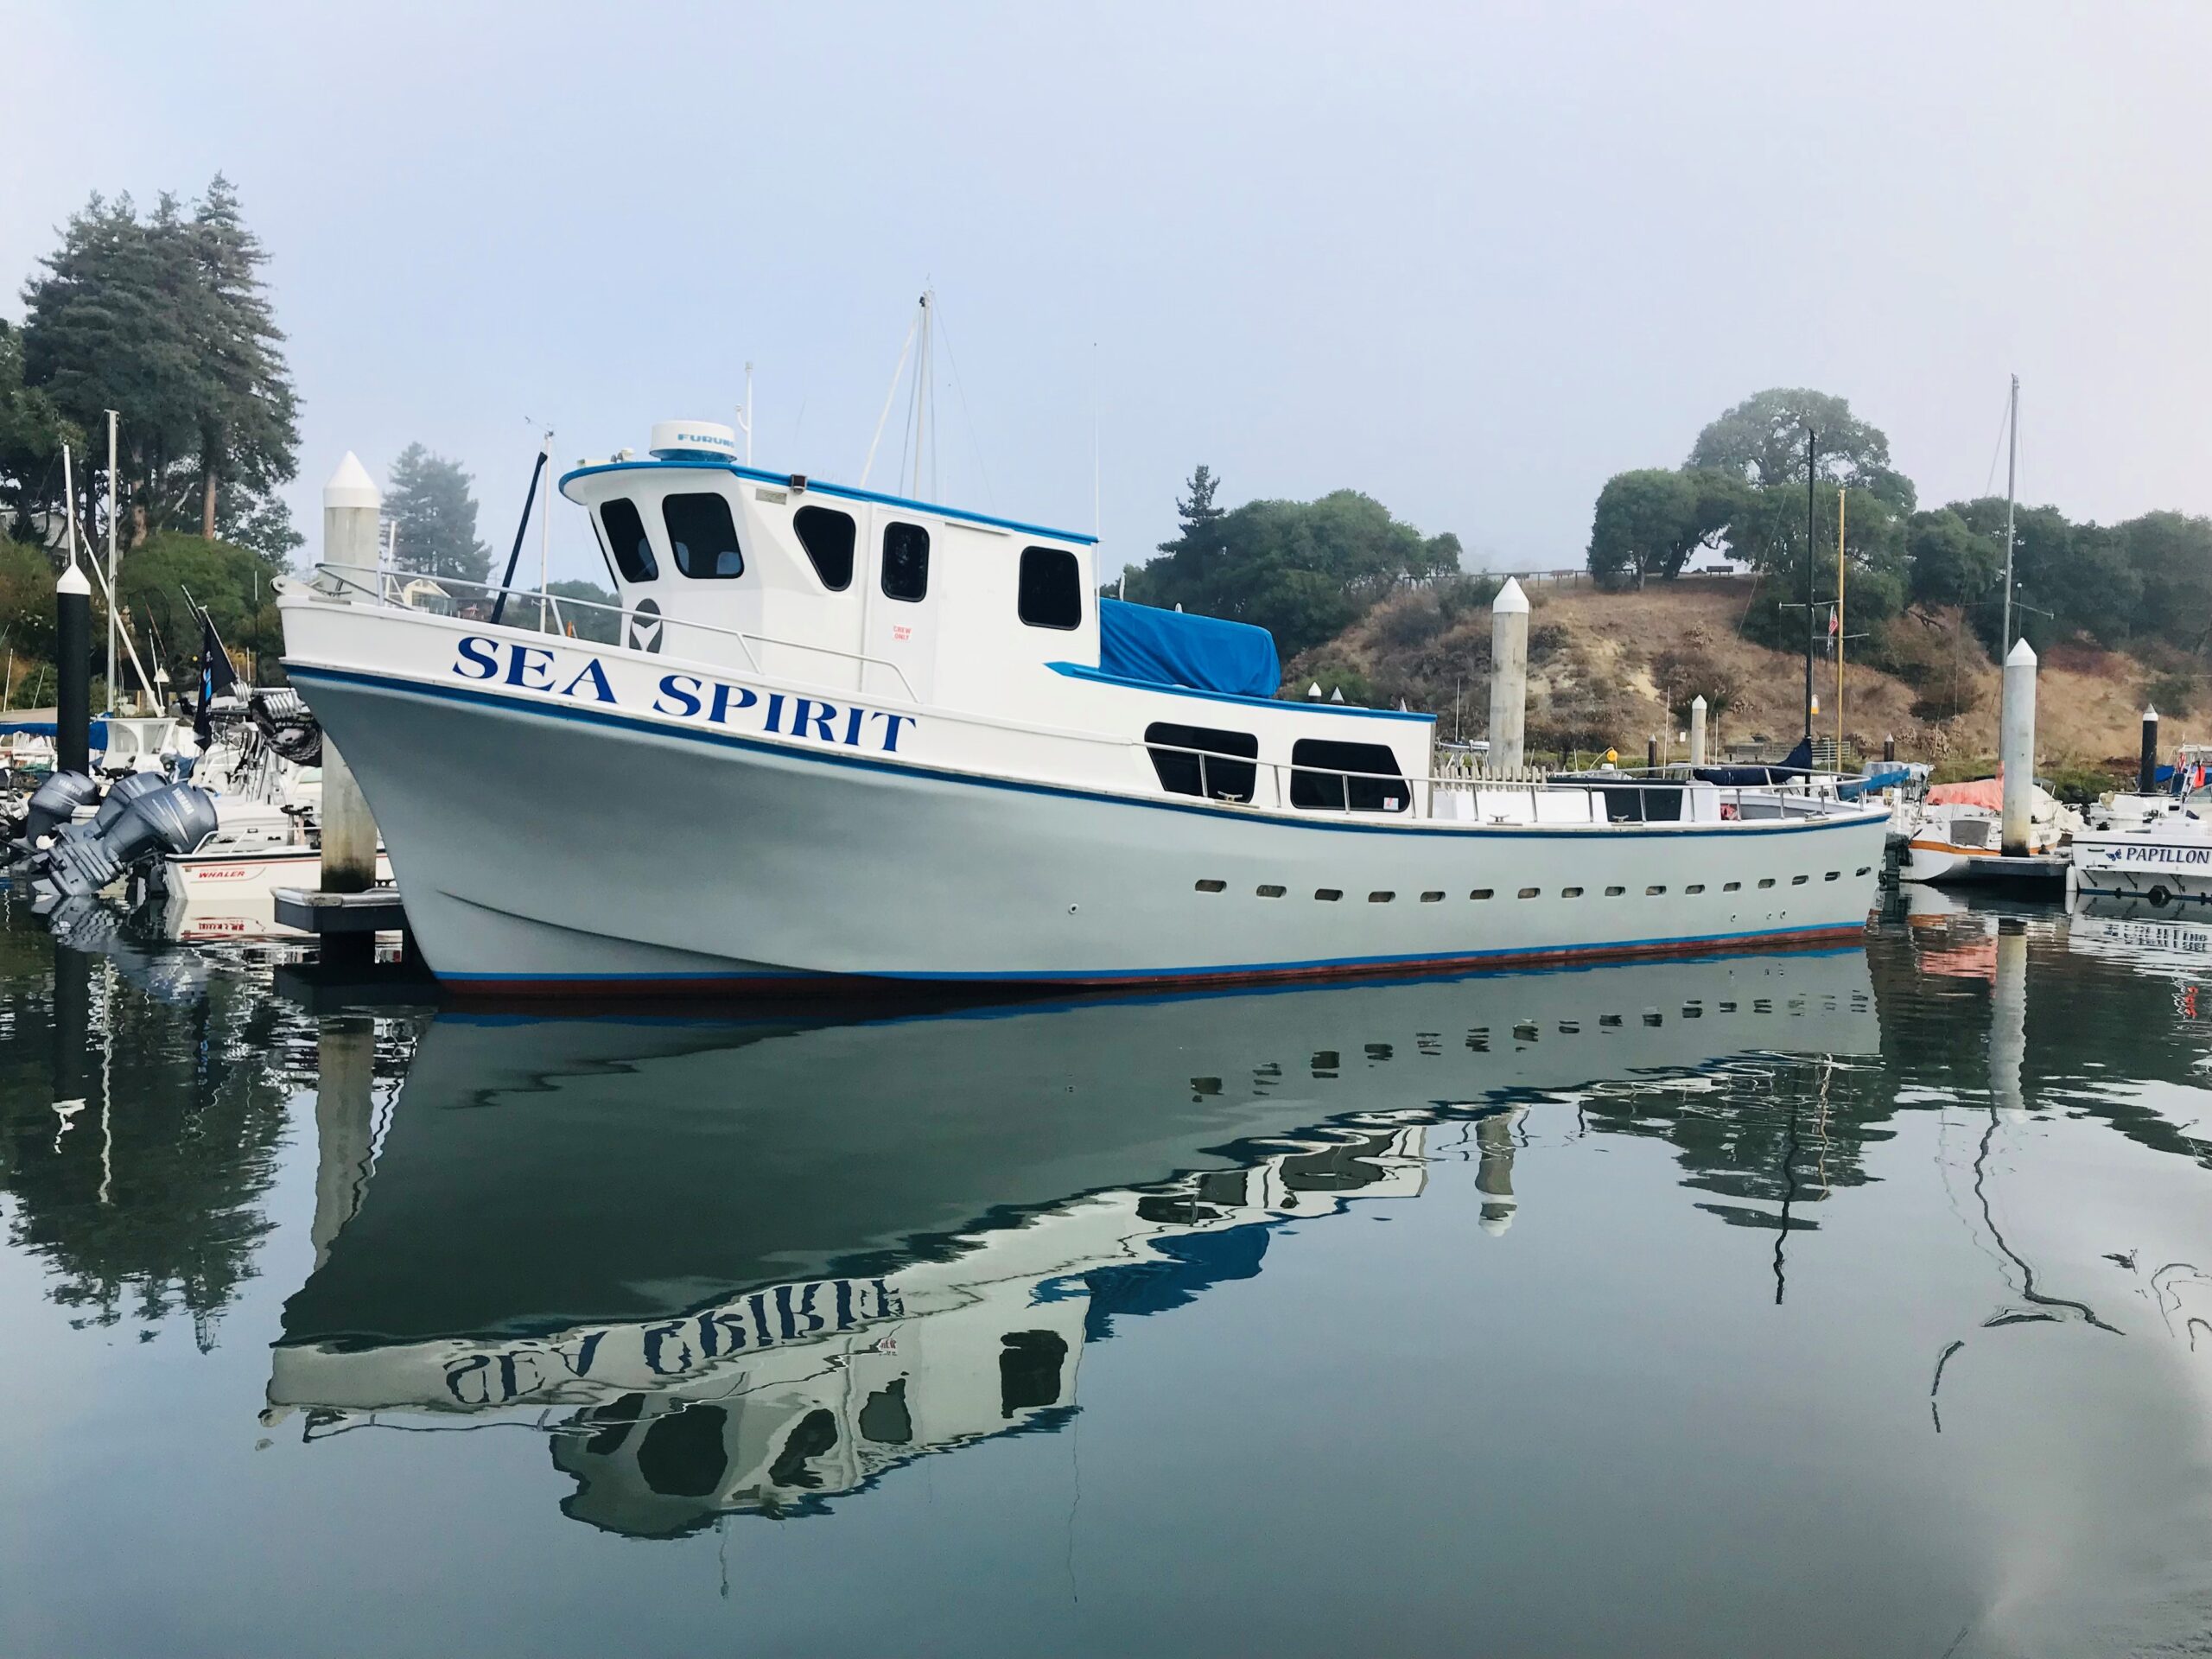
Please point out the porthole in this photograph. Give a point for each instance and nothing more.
(1731, 886)
(1609, 1021)
(1480, 893)
(1531, 892)
(1328, 895)
(1615, 893)
(1211, 885)
(1862, 870)
(1653, 893)
(1269, 890)
(1694, 886)
(1433, 896)
(1765, 881)
(1833, 875)
(1380, 897)
(1570, 893)
(1799, 880)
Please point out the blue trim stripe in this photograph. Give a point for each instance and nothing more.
(844, 492)
(532, 707)
(1099, 676)
(1315, 968)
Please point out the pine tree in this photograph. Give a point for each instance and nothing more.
(249, 430)
(430, 503)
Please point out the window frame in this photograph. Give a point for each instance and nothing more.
(645, 540)
(883, 561)
(1318, 787)
(1074, 588)
(1221, 766)
(799, 521)
(678, 546)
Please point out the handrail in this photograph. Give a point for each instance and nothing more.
(744, 639)
(1784, 793)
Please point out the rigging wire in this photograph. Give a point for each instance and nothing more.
(960, 391)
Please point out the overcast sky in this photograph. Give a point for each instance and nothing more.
(1470, 259)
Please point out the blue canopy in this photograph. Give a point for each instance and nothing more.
(1140, 642)
(47, 728)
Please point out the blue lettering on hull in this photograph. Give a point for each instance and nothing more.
(687, 696)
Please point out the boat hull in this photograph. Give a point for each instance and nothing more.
(544, 848)
(2143, 865)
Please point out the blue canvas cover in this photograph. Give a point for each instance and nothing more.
(1140, 642)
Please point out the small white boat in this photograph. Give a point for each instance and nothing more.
(1956, 836)
(2158, 858)
(853, 735)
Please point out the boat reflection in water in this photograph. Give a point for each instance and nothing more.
(750, 1266)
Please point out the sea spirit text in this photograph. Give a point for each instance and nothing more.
(691, 696)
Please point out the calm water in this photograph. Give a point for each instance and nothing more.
(1852, 1303)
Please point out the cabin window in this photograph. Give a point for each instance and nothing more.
(1214, 765)
(905, 563)
(827, 535)
(1050, 594)
(627, 541)
(1327, 786)
(702, 536)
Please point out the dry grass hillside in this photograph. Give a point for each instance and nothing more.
(1603, 668)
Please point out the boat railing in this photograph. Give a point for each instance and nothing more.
(378, 589)
(1782, 798)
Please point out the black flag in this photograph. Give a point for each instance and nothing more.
(216, 676)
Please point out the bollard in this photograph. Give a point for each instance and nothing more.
(73, 665)
(2146, 775)
(2017, 751)
(1651, 754)
(1508, 674)
(1697, 731)
(350, 505)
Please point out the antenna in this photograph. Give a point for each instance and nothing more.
(745, 415)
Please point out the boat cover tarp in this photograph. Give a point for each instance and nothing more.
(45, 727)
(1142, 642)
(1982, 792)
(1796, 765)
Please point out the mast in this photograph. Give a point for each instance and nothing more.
(113, 612)
(2011, 472)
(1839, 495)
(1812, 477)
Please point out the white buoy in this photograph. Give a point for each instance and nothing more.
(1697, 731)
(350, 503)
(1509, 674)
(2016, 749)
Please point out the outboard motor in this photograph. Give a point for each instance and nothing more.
(167, 818)
(55, 802)
(119, 795)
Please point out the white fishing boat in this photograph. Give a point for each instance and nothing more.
(852, 735)
(2159, 857)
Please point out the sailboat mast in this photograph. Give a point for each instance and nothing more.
(1812, 479)
(2012, 479)
(1839, 495)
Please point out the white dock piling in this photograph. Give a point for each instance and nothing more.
(1697, 731)
(2016, 749)
(1509, 674)
(350, 506)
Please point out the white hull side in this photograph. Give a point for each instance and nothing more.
(2135, 865)
(204, 877)
(537, 844)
